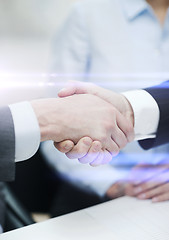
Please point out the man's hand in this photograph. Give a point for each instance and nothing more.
(116, 190)
(116, 99)
(149, 182)
(86, 150)
(75, 117)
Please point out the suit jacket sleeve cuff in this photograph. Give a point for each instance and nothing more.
(161, 95)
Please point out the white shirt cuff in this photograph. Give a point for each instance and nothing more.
(146, 113)
(27, 131)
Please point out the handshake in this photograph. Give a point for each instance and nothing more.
(86, 122)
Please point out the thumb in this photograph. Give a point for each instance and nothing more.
(75, 87)
(66, 92)
(64, 146)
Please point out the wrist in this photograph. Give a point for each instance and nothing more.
(119, 101)
(47, 114)
(128, 110)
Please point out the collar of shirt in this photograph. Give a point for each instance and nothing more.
(133, 8)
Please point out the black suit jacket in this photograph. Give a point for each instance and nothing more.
(7, 145)
(7, 154)
(161, 95)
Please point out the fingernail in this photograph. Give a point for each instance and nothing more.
(67, 146)
(87, 142)
(96, 147)
(142, 196)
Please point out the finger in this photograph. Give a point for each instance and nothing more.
(68, 91)
(92, 153)
(75, 87)
(146, 186)
(161, 198)
(144, 173)
(103, 158)
(98, 160)
(119, 137)
(129, 190)
(80, 149)
(154, 192)
(107, 157)
(64, 146)
(148, 181)
(126, 127)
(116, 190)
(112, 147)
(156, 181)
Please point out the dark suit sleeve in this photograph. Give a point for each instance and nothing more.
(7, 145)
(161, 95)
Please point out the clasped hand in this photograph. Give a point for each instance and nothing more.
(99, 130)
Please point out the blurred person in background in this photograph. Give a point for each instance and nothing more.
(119, 45)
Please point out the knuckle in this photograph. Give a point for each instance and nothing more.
(108, 124)
(82, 150)
(96, 147)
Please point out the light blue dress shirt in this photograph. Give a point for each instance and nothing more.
(120, 45)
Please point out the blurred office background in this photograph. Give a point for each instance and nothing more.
(26, 31)
(27, 28)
